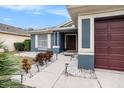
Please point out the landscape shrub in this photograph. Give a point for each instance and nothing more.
(19, 46)
(27, 44)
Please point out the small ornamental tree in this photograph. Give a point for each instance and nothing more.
(8, 66)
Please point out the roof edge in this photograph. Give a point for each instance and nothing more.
(52, 30)
(6, 32)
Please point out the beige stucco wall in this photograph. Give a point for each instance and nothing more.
(9, 40)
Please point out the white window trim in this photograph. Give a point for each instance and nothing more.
(36, 41)
(56, 46)
(49, 41)
(86, 50)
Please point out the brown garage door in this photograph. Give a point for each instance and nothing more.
(109, 44)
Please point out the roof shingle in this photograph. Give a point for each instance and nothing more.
(12, 30)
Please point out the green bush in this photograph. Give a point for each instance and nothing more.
(19, 46)
(11, 84)
(27, 44)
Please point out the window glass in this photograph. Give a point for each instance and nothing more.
(43, 41)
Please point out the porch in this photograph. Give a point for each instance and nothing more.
(65, 41)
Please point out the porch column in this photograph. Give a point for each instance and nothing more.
(54, 38)
(56, 47)
(58, 36)
(85, 42)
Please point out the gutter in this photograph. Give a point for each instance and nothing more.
(52, 30)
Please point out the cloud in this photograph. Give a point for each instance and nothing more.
(24, 7)
(34, 13)
(28, 9)
(59, 11)
(33, 26)
(37, 13)
(6, 19)
(39, 9)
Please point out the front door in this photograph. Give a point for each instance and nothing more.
(71, 42)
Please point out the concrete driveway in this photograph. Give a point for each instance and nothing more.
(110, 79)
(53, 77)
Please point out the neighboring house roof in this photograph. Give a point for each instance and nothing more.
(12, 30)
(68, 25)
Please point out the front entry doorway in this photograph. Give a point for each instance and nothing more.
(70, 42)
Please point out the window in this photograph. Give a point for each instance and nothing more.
(86, 33)
(43, 41)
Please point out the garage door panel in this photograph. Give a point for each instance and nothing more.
(116, 43)
(117, 31)
(101, 56)
(117, 50)
(117, 24)
(117, 64)
(117, 37)
(101, 31)
(116, 57)
(101, 44)
(101, 63)
(101, 25)
(101, 50)
(101, 37)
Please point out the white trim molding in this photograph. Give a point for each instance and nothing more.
(91, 49)
(56, 46)
(36, 41)
(85, 53)
(49, 40)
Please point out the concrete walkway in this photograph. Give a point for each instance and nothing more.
(53, 77)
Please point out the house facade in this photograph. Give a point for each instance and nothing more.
(97, 36)
(9, 35)
(100, 36)
(58, 39)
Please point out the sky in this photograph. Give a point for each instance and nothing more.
(33, 16)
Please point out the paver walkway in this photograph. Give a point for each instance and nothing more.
(53, 77)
